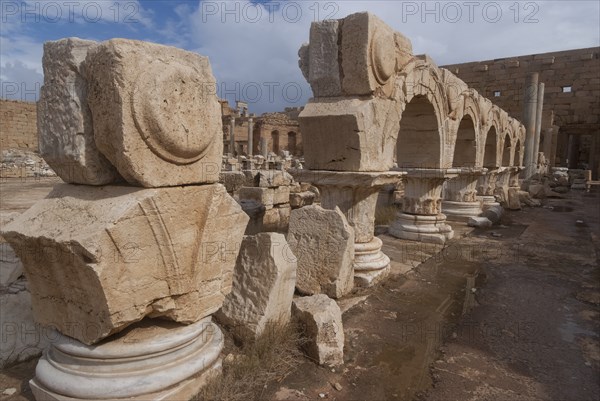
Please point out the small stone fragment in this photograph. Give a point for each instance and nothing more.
(321, 322)
(263, 285)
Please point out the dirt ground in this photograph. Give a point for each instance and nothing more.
(509, 313)
(505, 314)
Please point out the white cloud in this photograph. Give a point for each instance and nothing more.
(250, 51)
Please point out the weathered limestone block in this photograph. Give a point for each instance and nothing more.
(233, 180)
(263, 285)
(281, 195)
(323, 53)
(157, 119)
(263, 196)
(301, 199)
(64, 120)
(370, 52)
(11, 267)
(321, 320)
(350, 134)
(323, 242)
(274, 178)
(101, 258)
(22, 338)
(513, 199)
(481, 222)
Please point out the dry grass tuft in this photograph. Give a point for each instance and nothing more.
(271, 357)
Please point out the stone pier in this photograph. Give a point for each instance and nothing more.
(486, 185)
(421, 217)
(460, 195)
(129, 274)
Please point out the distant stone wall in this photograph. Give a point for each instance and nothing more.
(18, 125)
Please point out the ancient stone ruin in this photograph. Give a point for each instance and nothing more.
(159, 238)
(147, 238)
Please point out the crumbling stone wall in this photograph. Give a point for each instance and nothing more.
(18, 126)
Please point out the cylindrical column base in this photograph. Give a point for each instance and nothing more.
(461, 211)
(430, 229)
(488, 201)
(370, 264)
(152, 360)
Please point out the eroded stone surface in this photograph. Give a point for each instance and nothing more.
(350, 134)
(321, 320)
(323, 242)
(263, 285)
(22, 338)
(159, 361)
(66, 135)
(157, 119)
(11, 267)
(101, 258)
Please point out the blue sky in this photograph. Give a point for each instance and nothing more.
(253, 45)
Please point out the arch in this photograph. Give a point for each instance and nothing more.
(292, 142)
(423, 124)
(506, 151)
(518, 158)
(465, 147)
(275, 142)
(490, 148)
(418, 143)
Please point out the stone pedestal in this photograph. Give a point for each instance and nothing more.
(152, 360)
(513, 202)
(502, 185)
(356, 195)
(421, 218)
(486, 185)
(460, 195)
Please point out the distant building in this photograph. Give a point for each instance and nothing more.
(276, 131)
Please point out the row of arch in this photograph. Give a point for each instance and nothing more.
(445, 124)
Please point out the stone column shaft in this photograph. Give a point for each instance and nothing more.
(250, 137)
(529, 119)
(232, 136)
(538, 123)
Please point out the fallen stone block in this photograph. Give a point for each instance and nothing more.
(157, 119)
(232, 180)
(481, 222)
(274, 178)
(22, 337)
(263, 286)
(64, 119)
(513, 199)
(493, 213)
(525, 198)
(263, 196)
(100, 258)
(320, 319)
(536, 190)
(323, 242)
(301, 199)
